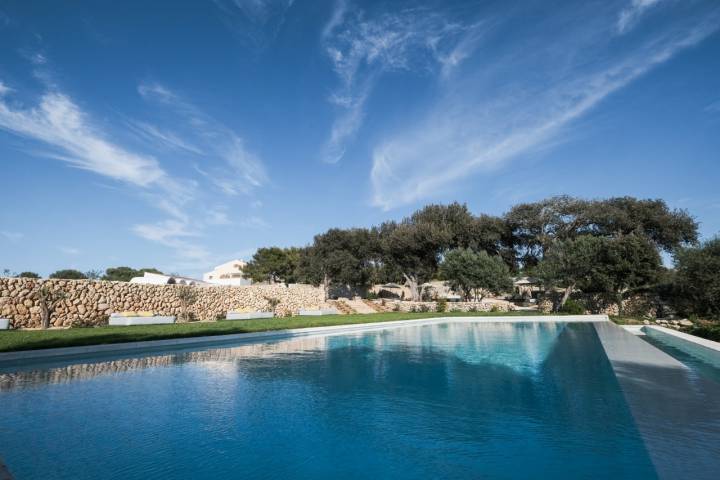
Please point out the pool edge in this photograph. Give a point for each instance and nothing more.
(54, 353)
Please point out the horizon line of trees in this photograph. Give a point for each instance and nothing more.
(113, 274)
(611, 247)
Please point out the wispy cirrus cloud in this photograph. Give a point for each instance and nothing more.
(72, 251)
(68, 132)
(12, 236)
(239, 170)
(363, 47)
(631, 14)
(255, 22)
(521, 95)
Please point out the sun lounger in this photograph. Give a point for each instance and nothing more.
(140, 318)
(322, 311)
(248, 315)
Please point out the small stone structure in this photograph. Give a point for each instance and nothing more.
(90, 303)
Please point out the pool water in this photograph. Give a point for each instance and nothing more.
(455, 400)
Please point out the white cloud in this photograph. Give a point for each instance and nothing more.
(632, 13)
(165, 138)
(498, 111)
(242, 170)
(12, 236)
(61, 125)
(69, 251)
(361, 49)
(713, 107)
(254, 222)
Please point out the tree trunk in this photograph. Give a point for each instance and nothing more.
(44, 315)
(412, 282)
(566, 295)
(326, 286)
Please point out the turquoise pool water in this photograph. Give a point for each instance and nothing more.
(456, 400)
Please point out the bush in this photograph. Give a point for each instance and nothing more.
(68, 274)
(371, 296)
(711, 332)
(396, 307)
(573, 307)
(424, 308)
(441, 305)
(473, 309)
(495, 309)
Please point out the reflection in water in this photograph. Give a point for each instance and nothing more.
(522, 347)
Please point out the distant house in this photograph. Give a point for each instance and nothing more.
(161, 279)
(228, 273)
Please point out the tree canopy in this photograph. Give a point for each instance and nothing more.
(472, 272)
(68, 274)
(125, 274)
(697, 282)
(273, 265)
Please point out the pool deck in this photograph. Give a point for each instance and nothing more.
(7, 358)
(667, 400)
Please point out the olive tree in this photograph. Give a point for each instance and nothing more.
(473, 272)
(697, 283)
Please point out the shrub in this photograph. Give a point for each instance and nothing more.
(495, 309)
(474, 308)
(441, 305)
(424, 308)
(573, 307)
(68, 274)
(396, 307)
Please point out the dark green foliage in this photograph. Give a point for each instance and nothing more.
(340, 257)
(697, 280)
(472, 272)
(535, 227)
(68, 274)
(27, 275)
(273, 265)
(573, 307)
(441, 305)
(124, 274)
(711, 332)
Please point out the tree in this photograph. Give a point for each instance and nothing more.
(27, 275)
(536, 227)
(697, 283)
(187, 296)
(340, 257)
(630, 264)
(272, 265)
(413, 249)
(68, 274)
(48, 299)
(473, 272)
(94, 274)
(571, 263)
(125, 274)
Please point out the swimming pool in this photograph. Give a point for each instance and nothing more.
(460, 399)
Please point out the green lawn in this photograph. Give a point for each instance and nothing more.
(14, 340)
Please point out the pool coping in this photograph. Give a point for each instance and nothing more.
(211, 340)
(703, 342)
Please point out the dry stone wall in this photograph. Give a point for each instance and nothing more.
(484, 306)
(90, 303)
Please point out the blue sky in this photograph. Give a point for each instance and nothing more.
(179, 135)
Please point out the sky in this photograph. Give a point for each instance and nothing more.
(180, 135)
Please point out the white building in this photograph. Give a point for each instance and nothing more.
(229, 273)
(161, 279)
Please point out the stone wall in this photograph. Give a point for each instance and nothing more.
(89, 303)
(483, 306)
